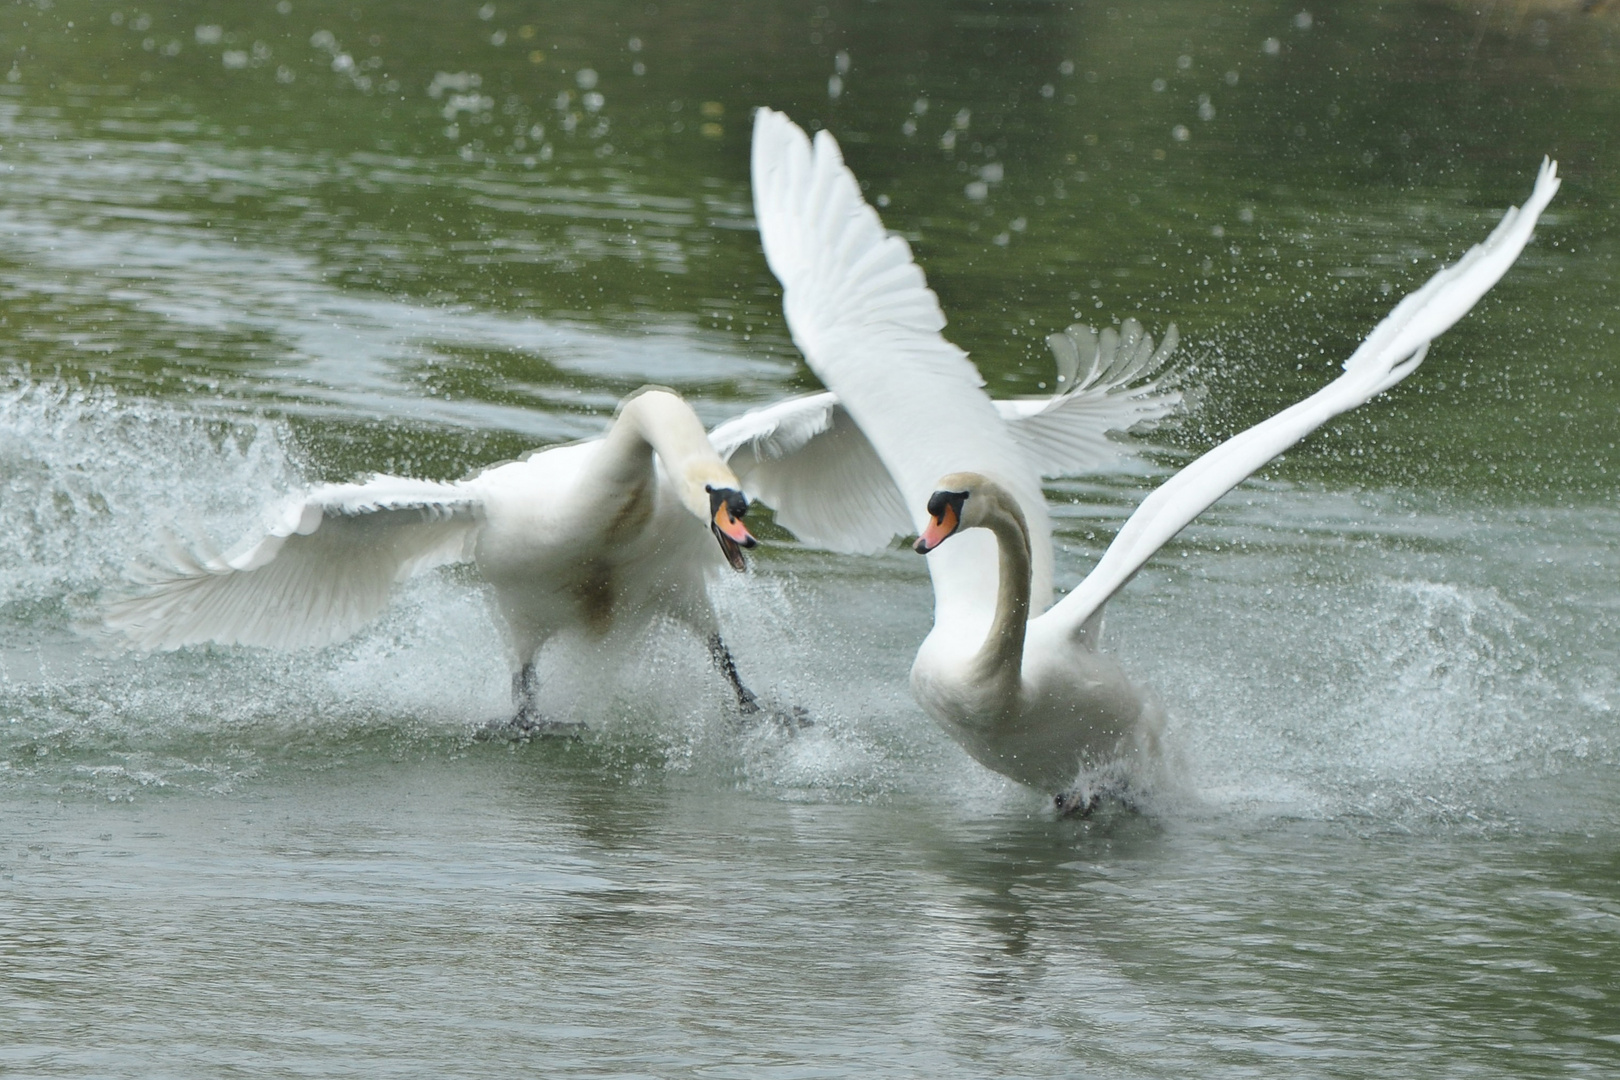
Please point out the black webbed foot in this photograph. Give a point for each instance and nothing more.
(789, 718)
(528, 724)
(515, 731)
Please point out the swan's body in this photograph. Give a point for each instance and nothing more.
(1027, 706)
(609, 534)
(1022, 687)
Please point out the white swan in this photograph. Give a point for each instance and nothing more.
(1029, 697)
(605, 534)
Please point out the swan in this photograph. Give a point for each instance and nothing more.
(600, 535)
(1021, 686)
(607, 534)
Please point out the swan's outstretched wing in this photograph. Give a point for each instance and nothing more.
(325, 567)
(869, 326)
(1390, 353)
(1110, 382)
(806, 459)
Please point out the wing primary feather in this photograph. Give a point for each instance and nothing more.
(1392, 351)
(1126, 385)
(324, 566)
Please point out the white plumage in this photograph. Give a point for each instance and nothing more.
(606, 534)
(1025, 692)
(324, 567)
(809, 459)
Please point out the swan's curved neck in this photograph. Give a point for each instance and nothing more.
(1000, 660)
(657, 421)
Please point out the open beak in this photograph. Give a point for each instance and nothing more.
(727, 507)
(945, 517)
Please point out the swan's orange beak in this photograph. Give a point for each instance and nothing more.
(945, 510)
(727, 507)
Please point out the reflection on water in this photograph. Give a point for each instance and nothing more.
(245, 247)
(462, 912)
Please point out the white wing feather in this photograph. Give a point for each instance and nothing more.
(775, 431)
(807, 459)
(861, 312)
(324, 568)
(1067, 434)
(1391, 352)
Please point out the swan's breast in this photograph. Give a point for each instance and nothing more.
(594, 595)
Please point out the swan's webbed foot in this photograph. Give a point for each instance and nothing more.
(527, 723)
(1076, 802)
(794, 716)
(1090, 791)
(788, 718)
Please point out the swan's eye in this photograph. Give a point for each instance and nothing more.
(726, 505)
(941, 501)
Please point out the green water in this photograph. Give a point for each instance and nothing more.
(245, 247)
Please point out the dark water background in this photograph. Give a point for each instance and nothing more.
(244, 247)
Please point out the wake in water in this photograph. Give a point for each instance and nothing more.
(91, 491)
(1383, 655)
(1317, 653)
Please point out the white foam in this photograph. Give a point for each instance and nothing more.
(1317, 653)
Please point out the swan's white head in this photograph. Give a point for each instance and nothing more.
(950, 509)
(726, 509)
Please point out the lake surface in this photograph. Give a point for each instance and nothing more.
(248, 247)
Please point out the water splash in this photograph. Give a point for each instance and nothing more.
(1317, 653)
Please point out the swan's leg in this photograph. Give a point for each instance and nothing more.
(692, 608)
(526, 634)
(525, 681)
(791, 716)
(727, 665)
(527, 721)
(698, 615)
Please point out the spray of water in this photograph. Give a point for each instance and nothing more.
(1317, 654)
